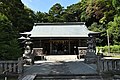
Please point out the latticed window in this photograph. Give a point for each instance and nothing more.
(83, 42)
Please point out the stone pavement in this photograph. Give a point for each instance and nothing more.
(79, 67)
(60, 67)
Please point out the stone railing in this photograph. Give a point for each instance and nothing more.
(11, 66)
(108, 64)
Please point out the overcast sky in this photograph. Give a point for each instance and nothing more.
(45, 5)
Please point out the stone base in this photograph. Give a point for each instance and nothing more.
(90, 59)
(39, 58)
(28, 61)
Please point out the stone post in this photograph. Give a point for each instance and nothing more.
(20, 65)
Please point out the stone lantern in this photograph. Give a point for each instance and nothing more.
(27, 55)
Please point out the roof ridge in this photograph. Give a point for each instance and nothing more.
(61, 23)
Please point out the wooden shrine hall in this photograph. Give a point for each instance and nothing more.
(66, 38)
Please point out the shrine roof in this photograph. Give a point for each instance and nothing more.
(68, 29)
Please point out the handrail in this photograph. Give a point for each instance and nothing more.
(108, 64)
(9, 69)
(12, 65)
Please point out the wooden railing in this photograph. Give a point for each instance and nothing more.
(108, 64)
(11, 66)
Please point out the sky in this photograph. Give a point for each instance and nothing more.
(45, 5)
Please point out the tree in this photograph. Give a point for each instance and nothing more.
(114, 30)
(21, 17)
(27, 20)
(55, 13)
(41, 17)
(72, 13)
(14, 19)
(9, 48)
(100, 11)
(13, 9)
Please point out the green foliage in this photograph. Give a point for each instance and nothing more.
(14, 18)
(26, 20)
(21, 17)
(55, 13)
(95, 27)
(114, 29)
(9, 48)
(100, 11)
(113, 49)
(72, 13)
(116, 5)
(56, 9)
(41, 17)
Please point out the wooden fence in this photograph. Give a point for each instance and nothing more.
(108, 64)
(11, 66)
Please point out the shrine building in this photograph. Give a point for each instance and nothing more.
(66, 38)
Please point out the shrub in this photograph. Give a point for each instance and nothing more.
(113, 49)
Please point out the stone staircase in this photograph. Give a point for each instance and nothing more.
(61, 57)
(69, 77)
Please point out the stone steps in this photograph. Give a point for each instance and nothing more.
(60, 57)
(69, 77)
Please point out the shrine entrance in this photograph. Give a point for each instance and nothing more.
(63, 46)
(60, 47)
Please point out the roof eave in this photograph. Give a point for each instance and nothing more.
(33, 36)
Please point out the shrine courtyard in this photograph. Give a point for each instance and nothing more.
(62, 67)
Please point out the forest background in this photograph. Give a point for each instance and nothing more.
(15, 17)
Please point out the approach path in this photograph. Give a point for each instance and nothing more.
(62, 67)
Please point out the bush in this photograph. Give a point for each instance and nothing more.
(113, 49)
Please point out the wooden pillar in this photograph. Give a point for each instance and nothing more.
(50, 47)
(79, 44)
(40, 44)
(69, 46)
